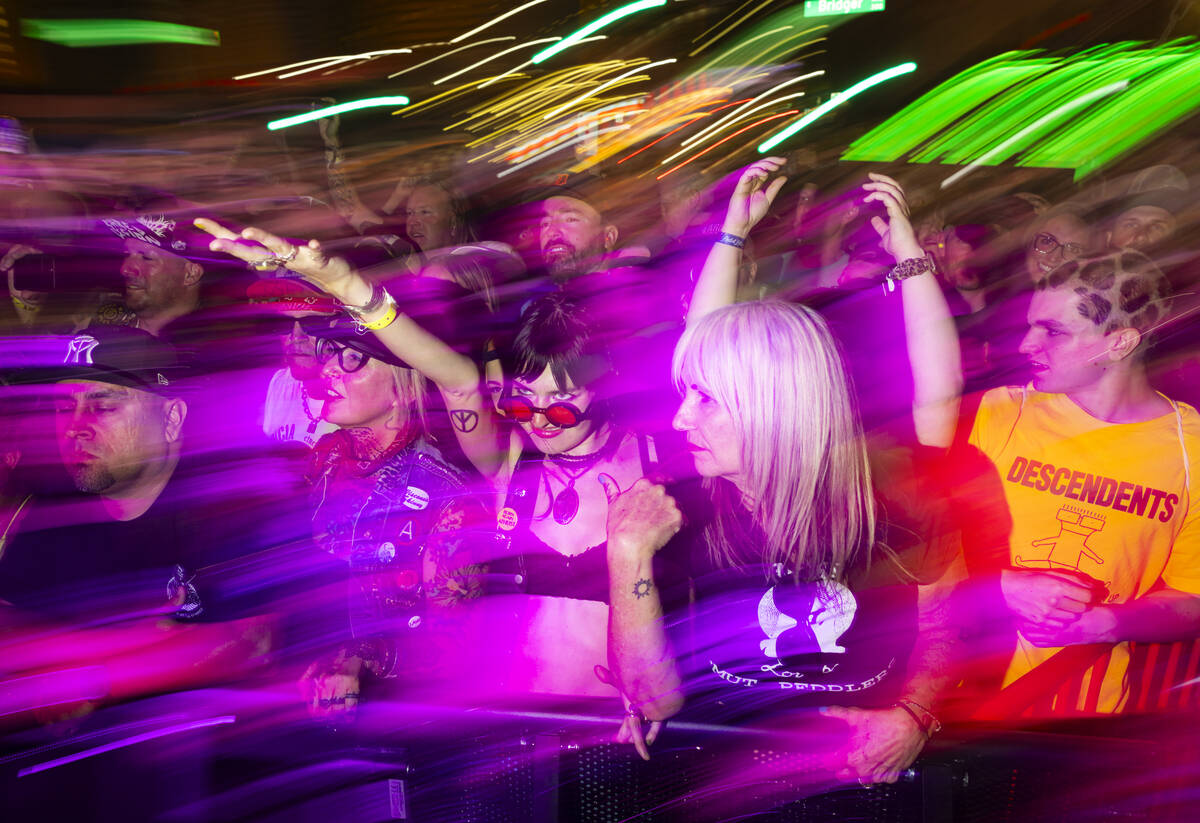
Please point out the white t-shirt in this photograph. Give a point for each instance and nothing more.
(284, 412)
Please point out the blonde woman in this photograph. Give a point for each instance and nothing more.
(804, 597)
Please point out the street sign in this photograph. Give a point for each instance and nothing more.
(828, 8)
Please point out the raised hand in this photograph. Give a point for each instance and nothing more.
(641, 519)
(896, 233)
(264, 251)
(753, 195)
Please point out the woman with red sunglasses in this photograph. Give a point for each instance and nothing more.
(547, 623)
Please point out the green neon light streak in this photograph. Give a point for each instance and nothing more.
(329, 111)
(834, 102)
(1041, 124)
(85, 33)
(595, 26)
(1081, 112)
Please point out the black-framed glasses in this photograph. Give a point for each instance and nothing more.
(1044, 243)
(563, 415)
(351, 360)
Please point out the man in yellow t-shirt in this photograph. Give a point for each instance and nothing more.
(1097, 472)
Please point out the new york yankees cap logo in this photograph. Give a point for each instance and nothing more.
(79, 350)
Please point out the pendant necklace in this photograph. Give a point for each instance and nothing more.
(312, 421)
(566, 502)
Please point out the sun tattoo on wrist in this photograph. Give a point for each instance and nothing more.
(641, 588)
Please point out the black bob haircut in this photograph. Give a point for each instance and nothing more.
(556, 332)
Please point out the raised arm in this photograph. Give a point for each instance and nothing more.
(929, 330)
(640, 522)
(752, 197)
(456, 376)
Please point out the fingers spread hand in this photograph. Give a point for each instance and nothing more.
(214, 228)
(277, 245)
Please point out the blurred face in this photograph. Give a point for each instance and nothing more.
(430, 218)
(363, 398)
(711, 437)
(1141, 227)
(299, 353)
(956, 258)
(154, 279)
(548, 438)
(867, 263)
(1061, 238)
(1065, 350)
(31, 298)
(110, 436)
(572, 235)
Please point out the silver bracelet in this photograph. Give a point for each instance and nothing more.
(378, 298)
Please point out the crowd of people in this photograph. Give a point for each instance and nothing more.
(815, 452)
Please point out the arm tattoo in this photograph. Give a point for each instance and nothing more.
(464, 420)
(641, 588)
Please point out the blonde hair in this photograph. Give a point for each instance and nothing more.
(776, 368)
(410, 394)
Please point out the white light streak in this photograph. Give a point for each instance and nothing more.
(712, 126)
(452, 51)
(508, 50)
(1066, 108)
(332, 60)
(496, 20)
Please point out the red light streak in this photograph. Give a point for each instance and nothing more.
(727, 139)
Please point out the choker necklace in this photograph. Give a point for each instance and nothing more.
(313, 422)
(566, 502)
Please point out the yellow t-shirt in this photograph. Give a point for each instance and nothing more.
(1107, 500)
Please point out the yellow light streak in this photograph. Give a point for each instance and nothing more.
(508, 50)
(529, 63)
(608, 84)
(729, 28)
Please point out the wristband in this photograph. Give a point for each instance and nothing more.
(384, 321)
(731, 240)
(908, 268)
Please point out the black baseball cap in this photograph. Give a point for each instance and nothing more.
(171, 230)
(119, 355)
(590, 188)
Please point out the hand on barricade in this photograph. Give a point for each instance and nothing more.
(1045, 601)
(883, 743)
(331, 686)
(631, 730)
